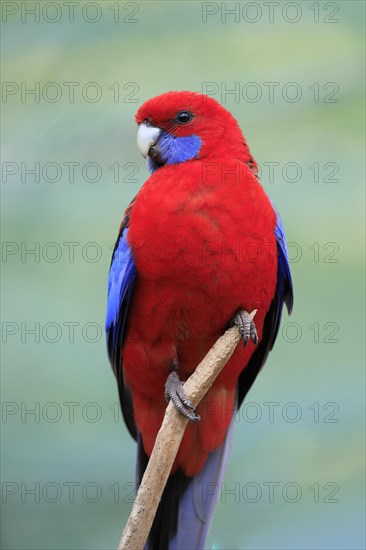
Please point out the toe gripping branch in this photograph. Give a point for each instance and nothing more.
(244, 321)
(174, 391)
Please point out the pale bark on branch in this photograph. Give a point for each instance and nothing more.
(168, 440)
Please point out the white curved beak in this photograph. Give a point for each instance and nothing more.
(146, 137)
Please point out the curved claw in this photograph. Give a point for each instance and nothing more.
(174, 391)
(243, 320)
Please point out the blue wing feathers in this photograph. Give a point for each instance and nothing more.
(284, 290)
(122, 274)
(121, 280)
(284, 280)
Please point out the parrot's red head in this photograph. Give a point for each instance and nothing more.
(179, 126)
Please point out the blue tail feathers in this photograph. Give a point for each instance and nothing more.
(187, 506)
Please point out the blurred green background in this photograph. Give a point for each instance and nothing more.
(74, 452)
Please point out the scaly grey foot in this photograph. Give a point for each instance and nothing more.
(246, 326)
(174, 391)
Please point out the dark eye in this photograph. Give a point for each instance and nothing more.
(184, 117)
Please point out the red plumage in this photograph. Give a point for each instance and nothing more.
(202, 237)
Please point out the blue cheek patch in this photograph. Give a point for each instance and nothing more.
(175, 150)
(179, 149)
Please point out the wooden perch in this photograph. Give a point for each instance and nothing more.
(168, 440)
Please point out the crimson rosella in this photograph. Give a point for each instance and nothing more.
(200, 246)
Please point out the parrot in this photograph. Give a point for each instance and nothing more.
(200, 247)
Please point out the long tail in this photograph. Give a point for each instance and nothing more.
(186, 508)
